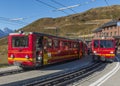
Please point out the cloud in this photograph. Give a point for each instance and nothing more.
(17, 19)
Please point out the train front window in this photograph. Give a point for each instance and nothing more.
(20, 41)
(96, 43)
(106, 44)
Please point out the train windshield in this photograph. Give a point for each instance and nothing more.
(106, 43)
(18, 41)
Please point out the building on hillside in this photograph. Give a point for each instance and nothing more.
(110, 29)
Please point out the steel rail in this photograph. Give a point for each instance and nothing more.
(66, 78)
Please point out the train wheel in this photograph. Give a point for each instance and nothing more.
(38, 65)
(103, 59)
(95, 58)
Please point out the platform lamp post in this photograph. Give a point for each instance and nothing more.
(56, 31)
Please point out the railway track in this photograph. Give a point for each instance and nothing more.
(68, 77)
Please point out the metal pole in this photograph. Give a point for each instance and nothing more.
(57, 31)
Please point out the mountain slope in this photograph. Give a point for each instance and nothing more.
(5, 32)
(2, 33)
(81, 23)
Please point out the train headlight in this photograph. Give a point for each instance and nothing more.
(94, 52)
(111, 52)
(26, 56)
(39, 57)
(12, 56)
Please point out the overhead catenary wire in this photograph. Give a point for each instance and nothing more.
(110, 8)
(73, 6)
(63, 5)
(106, 2)
(12, 21)
(50, 6)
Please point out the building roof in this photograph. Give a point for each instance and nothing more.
(98, 29)
(110, 23)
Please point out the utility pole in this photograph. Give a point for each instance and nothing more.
(53, 28)
(56, 31)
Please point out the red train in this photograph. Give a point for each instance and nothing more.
(32, 49)
(103, 49)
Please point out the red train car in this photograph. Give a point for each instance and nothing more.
(103, 49)
(32, 49)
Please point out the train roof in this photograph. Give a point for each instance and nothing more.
(42, 34)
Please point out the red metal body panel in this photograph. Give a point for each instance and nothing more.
(26, 56)
(20, 53)
(103, 51)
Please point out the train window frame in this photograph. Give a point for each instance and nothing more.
(39, 42)
(26, 41)
(49, 43)
(106, 44)
(96, 46)
(69, 44)
(72, 44)
(65, 45)
(56, 43)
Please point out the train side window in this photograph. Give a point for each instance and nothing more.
(66, 45)
(39, 42)
(49, 43)
(69, 45)
(56, 43)
(96, 43)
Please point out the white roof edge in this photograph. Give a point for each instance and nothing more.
(13, 33)
(20, 33)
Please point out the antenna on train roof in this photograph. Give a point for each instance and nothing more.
(21, 31)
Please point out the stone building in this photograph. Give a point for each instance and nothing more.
(110, 29)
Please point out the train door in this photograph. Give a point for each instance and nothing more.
(39, 51)
(83, 49)
(80, 49)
